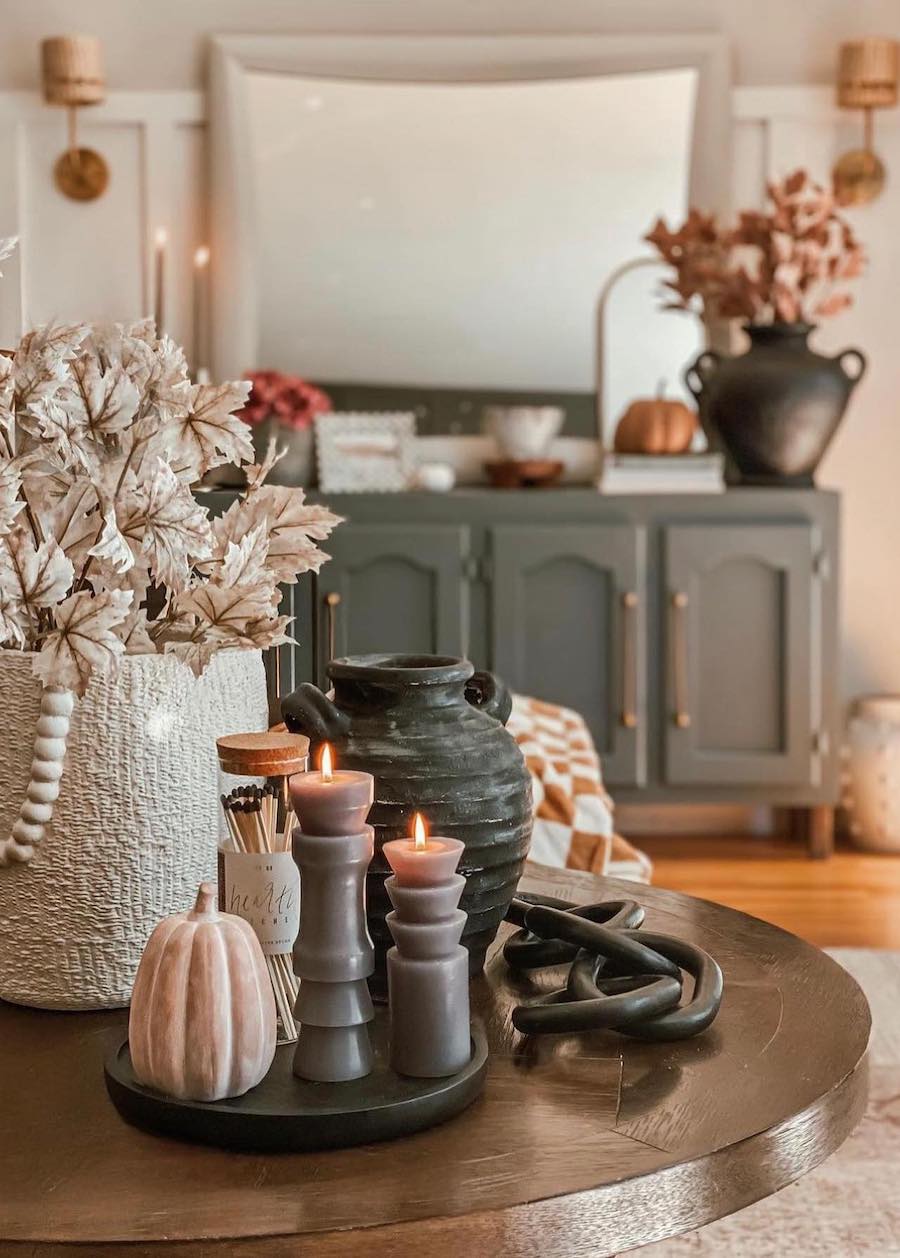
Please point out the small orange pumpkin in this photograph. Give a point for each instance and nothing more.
(202, 1023)
(656, 425)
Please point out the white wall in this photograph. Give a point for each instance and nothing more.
(95, 258)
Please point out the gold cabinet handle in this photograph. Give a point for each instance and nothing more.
(682, 716)
(332, 603)
(629, 659)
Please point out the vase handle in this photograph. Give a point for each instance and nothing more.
(861, 363)
(700, 372)
(308, 711)
(489, 694)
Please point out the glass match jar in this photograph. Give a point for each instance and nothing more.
(258, 879)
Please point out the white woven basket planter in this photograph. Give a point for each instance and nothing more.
(136, 825)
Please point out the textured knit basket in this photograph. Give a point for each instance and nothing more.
(136, 825)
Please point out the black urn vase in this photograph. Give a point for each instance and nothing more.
(431, 732)
(775, 408)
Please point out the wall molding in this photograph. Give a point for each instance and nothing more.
(814, 102)
(155, 117)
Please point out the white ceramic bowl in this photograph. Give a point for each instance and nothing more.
(523, 432)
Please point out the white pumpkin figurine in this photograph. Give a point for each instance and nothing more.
(202, 1024)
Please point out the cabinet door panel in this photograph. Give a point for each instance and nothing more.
(561, 631)
(740, 684)
(401, 590)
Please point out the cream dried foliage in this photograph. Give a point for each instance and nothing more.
(102, 435)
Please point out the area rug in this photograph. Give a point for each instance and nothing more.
(850, 1206)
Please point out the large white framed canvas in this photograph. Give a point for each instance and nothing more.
(365, 452)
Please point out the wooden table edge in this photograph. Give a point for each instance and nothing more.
(596, 1222)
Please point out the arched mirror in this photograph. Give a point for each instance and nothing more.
(427, 224)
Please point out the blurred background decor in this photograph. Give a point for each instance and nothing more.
(867, 80)
(871, 775)
(359, 452)
(523, 436)
(656, 425)
(72, 70)
(284, 407)
(776, 407)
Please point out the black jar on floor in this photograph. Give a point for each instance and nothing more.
(776, 407)
(431, 732)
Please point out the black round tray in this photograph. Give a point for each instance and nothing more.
(286, 1114)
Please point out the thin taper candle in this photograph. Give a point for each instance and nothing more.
(201, 314)
(160, 240)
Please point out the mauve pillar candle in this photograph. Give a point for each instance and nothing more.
(428, 969)
(333, 954)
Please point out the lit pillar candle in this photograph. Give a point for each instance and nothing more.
(333, 955)
(428, 969)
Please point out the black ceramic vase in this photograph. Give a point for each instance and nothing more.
(431, 732)
(776, 407)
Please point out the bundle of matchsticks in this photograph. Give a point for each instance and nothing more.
(252, 816)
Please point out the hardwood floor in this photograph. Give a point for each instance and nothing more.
(849, 900)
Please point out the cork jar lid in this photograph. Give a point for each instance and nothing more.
(275, 753)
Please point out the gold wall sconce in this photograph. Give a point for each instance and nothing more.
(72, 72)
(867, 80)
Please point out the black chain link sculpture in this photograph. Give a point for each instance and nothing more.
(620, 977)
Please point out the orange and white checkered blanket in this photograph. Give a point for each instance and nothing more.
(573, 814)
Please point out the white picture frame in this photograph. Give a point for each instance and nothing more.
(365, 451)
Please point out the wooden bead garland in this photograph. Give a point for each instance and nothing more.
(46, 771)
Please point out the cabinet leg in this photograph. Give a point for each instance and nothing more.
(792, 824)
(821, 832)
(797, 824)
(813, 827)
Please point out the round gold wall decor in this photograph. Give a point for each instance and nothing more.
(858, 177)
(81, 174)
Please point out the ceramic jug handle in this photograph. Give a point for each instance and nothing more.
(861, 363)
(701, 370)
(308, 711)
(488, 693)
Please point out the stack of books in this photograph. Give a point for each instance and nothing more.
(662, 474)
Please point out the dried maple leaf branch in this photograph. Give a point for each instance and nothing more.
(116, 433)
(784, 264)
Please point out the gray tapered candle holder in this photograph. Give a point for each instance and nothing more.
(333, 954)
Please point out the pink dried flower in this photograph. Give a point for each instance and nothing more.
(289, 399)
(780, 264)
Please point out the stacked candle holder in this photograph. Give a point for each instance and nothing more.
(428, 977)
(428, 969)
(333, 954)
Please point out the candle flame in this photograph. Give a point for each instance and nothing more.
(419, 832)
(161, 238)
(201, 256)
(326, 766)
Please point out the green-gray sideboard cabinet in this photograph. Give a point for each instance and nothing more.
(698, 635)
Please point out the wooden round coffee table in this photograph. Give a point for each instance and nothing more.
(579, 1146)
